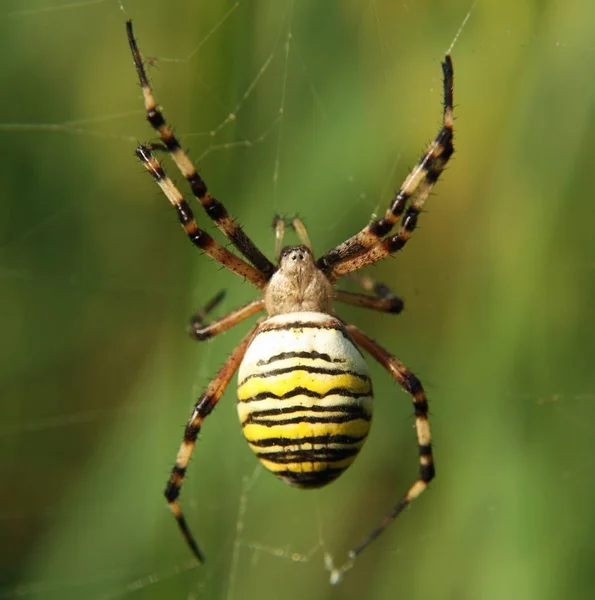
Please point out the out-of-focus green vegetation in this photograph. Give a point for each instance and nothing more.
(98, 281)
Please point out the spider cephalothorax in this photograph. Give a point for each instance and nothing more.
(304, 392)
(298, 284)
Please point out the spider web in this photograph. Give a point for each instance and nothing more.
(316, 108)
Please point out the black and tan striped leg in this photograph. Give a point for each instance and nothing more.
(420, 406)
(345, 257)
(199, 330)
(202, 409)
(384, 300)
(201, 239)
(214, 209)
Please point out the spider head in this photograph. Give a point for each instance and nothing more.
(298, 285)
(294, 259)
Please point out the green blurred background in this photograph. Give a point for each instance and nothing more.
(98, 282)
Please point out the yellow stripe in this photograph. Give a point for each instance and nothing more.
(319, 383)
(298, 431)
(307, 466)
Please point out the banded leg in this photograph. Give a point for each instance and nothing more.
(201, 239)
(200, 331)
(384, 300)
(420, 406)
(214, 209)
(343, 258)
(202, 409)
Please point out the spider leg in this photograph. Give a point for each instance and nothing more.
(420, 406)
(199, 318)
(201, 331)
(214, 209)
(384, 300)
(201, 239)
(390, 305)
(202, 409)
(361, 249)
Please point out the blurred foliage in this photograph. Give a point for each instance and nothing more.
(98, 281)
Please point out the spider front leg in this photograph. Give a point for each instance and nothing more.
(361, 249)
(202, 409)
(200, 238)
(214, 209)
(420, 406)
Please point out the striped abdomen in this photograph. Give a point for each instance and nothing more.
(304, 397)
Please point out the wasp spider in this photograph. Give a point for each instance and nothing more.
(304, 391)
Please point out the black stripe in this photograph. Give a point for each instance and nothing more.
(394, 244)
(281, 422)
(191, 433)
(171, 492)
(307, 325)
(413, 384)
(434, 171)
(426, 472)
(198, 186)
(312, 439)
(312, 479)
(445, 139)
(200, 239)
(311, 354)
(421, 409)
(353, 409)
(302, 391)
(308, 369)
(410, 219)
(216, 210)
(398, 204)
(184, 213)
(380, 227)
(156, 119)
(425, 449)
(348, 248)
(448, 74)
(171, 142)
(308, 456)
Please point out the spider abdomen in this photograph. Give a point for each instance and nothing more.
(304, 397)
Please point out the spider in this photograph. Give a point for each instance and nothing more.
(304, 391)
